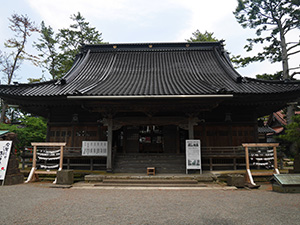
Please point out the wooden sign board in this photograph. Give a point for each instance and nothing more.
(5, 147)
(193, 155)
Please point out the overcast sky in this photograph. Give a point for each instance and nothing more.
(128, 21)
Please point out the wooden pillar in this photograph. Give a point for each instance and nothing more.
(275, 160)
(61, 160)
(109, 145)
(48, 127)
(73, 135)
(34, 157)
(177, 140)
(191, 127)
(91, 164)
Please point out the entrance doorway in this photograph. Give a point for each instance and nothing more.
(150, 139)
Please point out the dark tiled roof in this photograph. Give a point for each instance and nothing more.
(265, 130)
(151, 69)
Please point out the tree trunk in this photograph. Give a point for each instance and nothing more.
(285, 75)
(285, 63)
(3, 110)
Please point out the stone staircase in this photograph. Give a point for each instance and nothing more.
(138, 163)
(142, 180)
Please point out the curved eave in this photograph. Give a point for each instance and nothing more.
(164, 70)
(150, 97)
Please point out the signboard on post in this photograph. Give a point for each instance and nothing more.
(5, 147)
(94, 148)
(193, 155)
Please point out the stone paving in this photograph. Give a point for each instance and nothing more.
(83, 203)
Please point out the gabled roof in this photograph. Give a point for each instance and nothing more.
(277, 120)
(265, 130)
(153, 69)
(280, 117)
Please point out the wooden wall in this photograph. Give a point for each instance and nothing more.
(225, 134)
(209, 134)
(73, 135)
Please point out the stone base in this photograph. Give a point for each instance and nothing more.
(236, 180)
(285, 189)
(13, 174)
(65, 177)
(14, 179)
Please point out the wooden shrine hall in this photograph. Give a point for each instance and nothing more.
(145, 100)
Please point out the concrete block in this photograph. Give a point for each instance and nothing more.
(65, 177)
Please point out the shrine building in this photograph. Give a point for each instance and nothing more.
(146, 100)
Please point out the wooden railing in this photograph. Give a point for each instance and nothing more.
(213, 158)
(230, 157)
(72, 159)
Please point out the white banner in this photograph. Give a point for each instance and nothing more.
(94, 148)
(193, 154)
(5, 147)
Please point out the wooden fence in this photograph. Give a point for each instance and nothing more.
(213, 158)
(72, 159)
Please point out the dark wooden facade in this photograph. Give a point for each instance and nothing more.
(150, 98)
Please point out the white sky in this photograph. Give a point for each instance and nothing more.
(123, 21)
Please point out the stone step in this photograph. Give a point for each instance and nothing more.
(129, 169)
(200, 178)
(148, 185)
(138, 163)
(158, 161)
(148, 181)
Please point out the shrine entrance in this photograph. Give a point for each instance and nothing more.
(150, 139)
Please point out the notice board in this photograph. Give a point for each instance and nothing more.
(193, 155)
(5, 147)
(94, 148)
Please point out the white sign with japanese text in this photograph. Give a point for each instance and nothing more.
(5, 147)
(94, 148)
(193, 155)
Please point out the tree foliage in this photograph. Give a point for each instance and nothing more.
(273, 21)
(265, 76)
(59, 50)
(292, 132)
(46, 45)
(31, 129)
(22, 28)
(197, 36)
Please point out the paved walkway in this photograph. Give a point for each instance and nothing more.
(36, 203)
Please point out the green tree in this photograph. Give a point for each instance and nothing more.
(273, 21)
(59, 50)
(31, 129)
(22, 27)
(46, 45)
(197, 36)
(265, 76)
(292, 136)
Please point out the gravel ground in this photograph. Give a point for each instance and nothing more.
(38, 204)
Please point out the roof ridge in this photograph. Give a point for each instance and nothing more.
(287, 81)
(28, 84)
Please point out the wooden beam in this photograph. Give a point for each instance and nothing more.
(150, 121)
(260, 144)
(56, 144)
